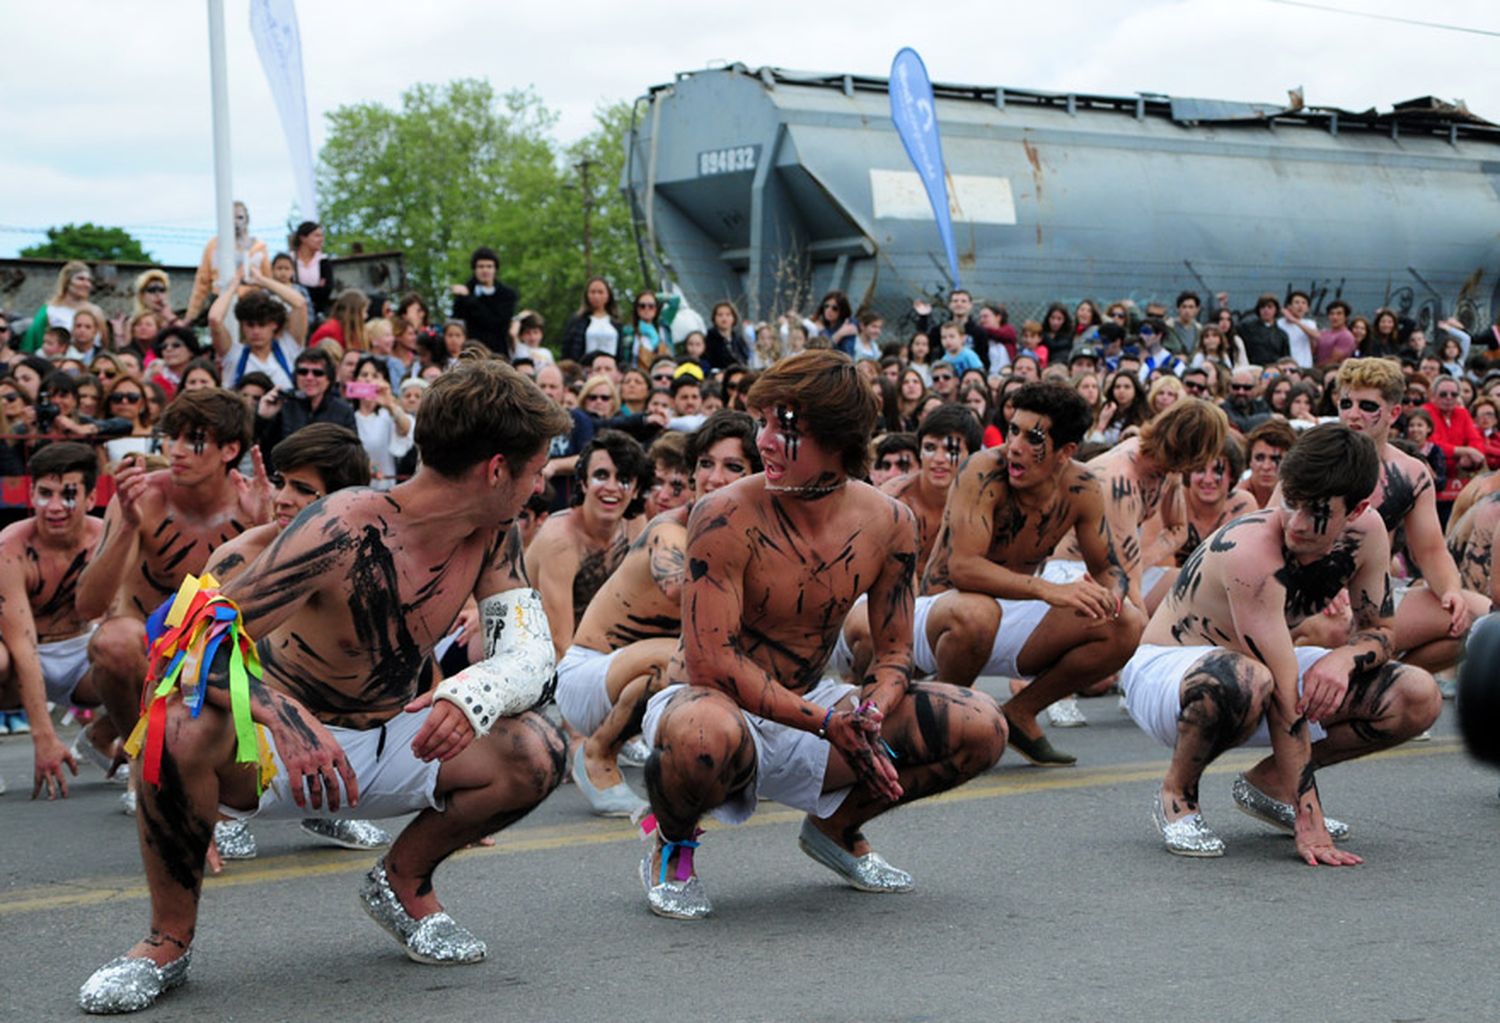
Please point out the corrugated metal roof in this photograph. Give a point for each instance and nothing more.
(1425, 115)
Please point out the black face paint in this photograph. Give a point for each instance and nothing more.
(954, 445)
(199, 439)
(1320, 512)
(791, 430)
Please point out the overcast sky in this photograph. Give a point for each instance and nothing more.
(105, 109)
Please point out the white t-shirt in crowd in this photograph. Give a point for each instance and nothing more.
(1298, 341)
(539, 356)
(377, 432)
(279, 370)
(601, 336)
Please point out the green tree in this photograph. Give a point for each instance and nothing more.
(90, 242)
(457, 166)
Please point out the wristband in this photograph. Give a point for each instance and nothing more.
(823, 728)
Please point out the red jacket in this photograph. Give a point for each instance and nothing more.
(1458, 431)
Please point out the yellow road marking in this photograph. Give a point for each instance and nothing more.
(295, 866)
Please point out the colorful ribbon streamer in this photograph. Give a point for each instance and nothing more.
(183, 637)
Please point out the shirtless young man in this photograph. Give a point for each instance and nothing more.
(312, 463)
(1212, 498)
(630, 631)
(774, 563)
(1431, 620)
(1142, 481)
(948, 436)
(160, 527)
(986, 611)
(347, 604)
(577, 549)
(44, 656)
(1217, 668)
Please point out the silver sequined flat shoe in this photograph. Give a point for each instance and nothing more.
(350, 834)
(130, 985)
(673, 891)
(1190, 836)
(435, 939)
(868, 873)
(1066, 713)
(616, 801)
(1279, 815)
(234, 840)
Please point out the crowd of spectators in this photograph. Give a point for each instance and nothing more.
(300, 351)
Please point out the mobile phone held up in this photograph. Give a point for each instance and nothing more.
(361, 389)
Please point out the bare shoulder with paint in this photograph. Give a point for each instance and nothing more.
(48, 575)
(642, 599)
(346, 608)
(235, 556)
(765, 584)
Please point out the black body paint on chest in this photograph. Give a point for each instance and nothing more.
(379, 620)
(1311, 587)
(1397, 497)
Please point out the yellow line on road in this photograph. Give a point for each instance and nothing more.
(295, 866)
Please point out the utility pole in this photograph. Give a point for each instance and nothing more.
(588, 209)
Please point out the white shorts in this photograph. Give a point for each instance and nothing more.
(1152, 683)
(841, 661)
(392, 781)
(64, 663)
(582, 695)
(922, 656)
(1018, 620)
(789, 762)
(1059, 570)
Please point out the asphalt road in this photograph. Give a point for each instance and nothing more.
(1041, 895)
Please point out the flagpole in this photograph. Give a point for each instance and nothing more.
(223, 186)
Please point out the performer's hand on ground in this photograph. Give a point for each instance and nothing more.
(446, 732)
(51, 755)
(1317, 849)
(313, 758)
(215, 862)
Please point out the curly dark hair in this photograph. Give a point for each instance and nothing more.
(1066, 409)
(631, 465)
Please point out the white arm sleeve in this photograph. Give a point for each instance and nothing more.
(518, 671)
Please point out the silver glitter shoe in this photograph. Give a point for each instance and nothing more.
(1190, 836)
(868, 873)
(349, 834)
(616, 801)
(234, 840)
(683, 897)
(1281, 816)
(127, 802)
(434, 939)
(130, 985)
(635, 753)
(1066, 713)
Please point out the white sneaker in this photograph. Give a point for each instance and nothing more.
(127, 802)
(1066, 713)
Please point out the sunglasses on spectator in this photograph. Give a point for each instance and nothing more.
(1365, 405)
(155, 289)
(168, 346)
(1116, 315)
(645, 305)
(942, 376)
(1445, 394)
(311, 371)
(1194, 388)
(596, 397)
(1242, 387)
(128, 397)
(10, 396)
(662, 377)
(4, 328)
